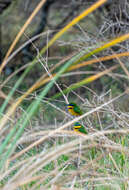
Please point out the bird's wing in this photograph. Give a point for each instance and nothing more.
(83, 130)
(77, 110)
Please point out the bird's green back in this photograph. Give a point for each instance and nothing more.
(82, 130)
(77, 109)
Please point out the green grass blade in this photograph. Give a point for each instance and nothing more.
(22, 123)
(13, 89)
(84, 81)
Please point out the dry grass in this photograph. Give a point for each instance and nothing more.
(59, 158)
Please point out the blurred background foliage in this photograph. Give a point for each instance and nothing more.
(107, 22)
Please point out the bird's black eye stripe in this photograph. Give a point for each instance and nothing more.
(70, 107)
(77, 127)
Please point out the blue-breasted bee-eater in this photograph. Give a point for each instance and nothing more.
(74, 109)
(79, 128)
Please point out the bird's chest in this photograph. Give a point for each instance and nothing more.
(72, 112)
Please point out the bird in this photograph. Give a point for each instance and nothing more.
(79, 128)
(74, 109)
